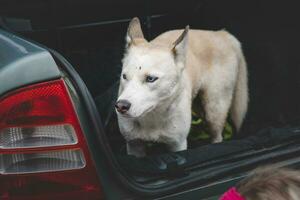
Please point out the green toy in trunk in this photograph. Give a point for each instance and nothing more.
(199, 127)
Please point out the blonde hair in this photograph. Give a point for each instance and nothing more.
(269, 183)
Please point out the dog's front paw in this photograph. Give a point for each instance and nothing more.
(178, 146)
(217, 139)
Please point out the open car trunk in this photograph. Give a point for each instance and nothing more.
(269, 34)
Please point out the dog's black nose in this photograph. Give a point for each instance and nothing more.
(122, 106)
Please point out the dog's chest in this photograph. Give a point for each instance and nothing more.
(153, 128)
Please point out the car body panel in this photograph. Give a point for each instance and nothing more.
(23, 63)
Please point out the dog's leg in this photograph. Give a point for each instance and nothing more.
(136, 148)
(216, 106)
(177, 146)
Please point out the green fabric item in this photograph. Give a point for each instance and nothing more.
(199, 129)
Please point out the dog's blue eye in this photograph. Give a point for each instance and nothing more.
(151, 79)
(124, 76)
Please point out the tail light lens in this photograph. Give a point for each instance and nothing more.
(43, 152)
(39, 136)
(42, 162)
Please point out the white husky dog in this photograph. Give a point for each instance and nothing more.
(160, 79)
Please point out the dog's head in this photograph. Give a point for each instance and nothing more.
(151, 72)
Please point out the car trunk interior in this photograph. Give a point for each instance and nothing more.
(91, 37)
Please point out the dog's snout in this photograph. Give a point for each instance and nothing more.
(122, 106)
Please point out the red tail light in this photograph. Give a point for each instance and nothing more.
(43, 152)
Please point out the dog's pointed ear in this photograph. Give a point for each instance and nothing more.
(134, 32)
(180, 46)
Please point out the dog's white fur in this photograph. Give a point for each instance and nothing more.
(187, 63)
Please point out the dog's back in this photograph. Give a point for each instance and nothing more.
(214, 61)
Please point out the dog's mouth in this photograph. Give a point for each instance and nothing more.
(126, 115)
(145, 112)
